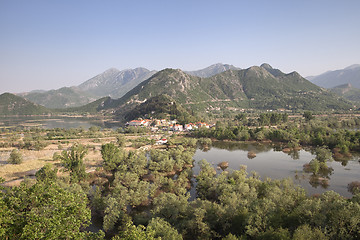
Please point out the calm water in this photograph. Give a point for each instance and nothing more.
(52, 122)
(269, 161)
(275, 164)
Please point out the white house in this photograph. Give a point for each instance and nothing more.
(177, 128)
(136, 123)
(161, 141)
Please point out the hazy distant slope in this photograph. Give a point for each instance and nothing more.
(92, 108)
(348, 92)
(11, 104)
(335, 78)
(61, 98)
(115, 83)
(212, 70)
(255, 87)
(112, 83)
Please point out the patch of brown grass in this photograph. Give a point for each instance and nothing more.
(37, 159)
(32, 160)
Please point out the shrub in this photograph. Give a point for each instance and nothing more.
(354, 187)
(15, 157)
(56, 156)
(120, 140)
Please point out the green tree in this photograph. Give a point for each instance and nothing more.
(15, 157)
(94, 129)
(308, 115)
(171, 207)
(120, 140)
(112, 156)
(6, 220)
(305, 232)
(132, 232)
(275, 234)
(44, 211)
(72, 161)
(230, 237)
(163, 229)
(354, 187)
(264, 119)
(314, 166)
(46, 174)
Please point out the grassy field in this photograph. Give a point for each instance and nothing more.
(34, 160)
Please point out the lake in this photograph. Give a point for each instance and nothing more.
(275, 164)
(54, 122)
(269, 162)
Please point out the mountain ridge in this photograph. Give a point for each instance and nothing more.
(348, 92)
(64, 97)
(255, 87)
(112, 82)
(330, 79)
(115, 83)
(211, 70)
(11, 104)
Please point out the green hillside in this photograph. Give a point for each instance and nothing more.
(159, 107)
(11, 104)
(348, 92)
(255, 87)
(338, 77)
(92, 108)
(61, 98)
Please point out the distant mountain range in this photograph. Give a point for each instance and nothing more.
(115, 83)
(335, 78)
(257, 87)
(212, 70)
(112, 82)
(61, 98)
(11, 104)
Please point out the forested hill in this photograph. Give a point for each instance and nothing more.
(112, 82)
(348, 92)
(61, 98)
(159, 107)
(256, 87)
(92, 108)
(11, 104)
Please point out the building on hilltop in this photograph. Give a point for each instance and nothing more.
(136, 123)
(177, 128)
(202, 124)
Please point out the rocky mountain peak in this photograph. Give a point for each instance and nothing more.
(266, 66)
(257, 69)
(212, 70)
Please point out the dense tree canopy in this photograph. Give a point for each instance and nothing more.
(43, 211)
(73, 161)
(155, 195)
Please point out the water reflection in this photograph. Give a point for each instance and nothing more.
(271, 161)
(245, 146)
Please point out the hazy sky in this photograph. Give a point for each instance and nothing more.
(50, 44)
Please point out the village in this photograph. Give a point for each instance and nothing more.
(166, 125)
(173, 126)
